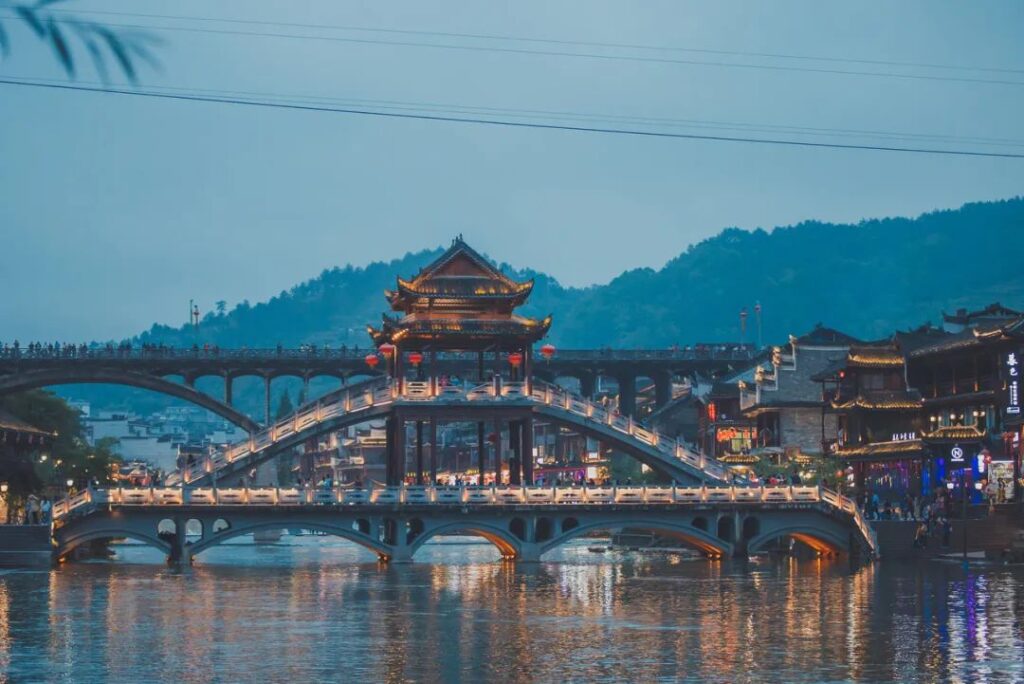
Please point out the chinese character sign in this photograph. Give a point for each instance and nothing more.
(1012, 366)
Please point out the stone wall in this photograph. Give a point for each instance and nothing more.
(801, 427)
(25, 546)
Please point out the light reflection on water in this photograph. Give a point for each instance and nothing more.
(314, 608)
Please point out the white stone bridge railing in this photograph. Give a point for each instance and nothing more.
(89, 499)
(383, 391)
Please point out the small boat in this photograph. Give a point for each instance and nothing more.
(597, 549)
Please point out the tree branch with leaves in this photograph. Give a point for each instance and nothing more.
(65, 33)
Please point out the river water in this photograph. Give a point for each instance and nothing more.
(312, 609)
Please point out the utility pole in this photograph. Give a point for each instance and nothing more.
(757, 315)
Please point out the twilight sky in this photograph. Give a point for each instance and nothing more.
(116, 210)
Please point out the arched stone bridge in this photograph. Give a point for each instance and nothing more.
(381, 398)
(524, 523)
(153, 369)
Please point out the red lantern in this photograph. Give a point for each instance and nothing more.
(515, 358)
(372, 360)
(387, 349)
(415, 358)
(547, 351)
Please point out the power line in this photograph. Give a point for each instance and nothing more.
(578, 55)
(402, 105)
(548, 41)
(506, 123)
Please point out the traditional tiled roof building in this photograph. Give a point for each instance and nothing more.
(460, 302)
(786, 402)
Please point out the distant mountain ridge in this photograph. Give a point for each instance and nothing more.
(868, 279)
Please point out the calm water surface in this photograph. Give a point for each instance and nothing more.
(314, 608)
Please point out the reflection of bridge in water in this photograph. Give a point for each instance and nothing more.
(522, 522)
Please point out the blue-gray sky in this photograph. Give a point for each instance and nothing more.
(114, 211)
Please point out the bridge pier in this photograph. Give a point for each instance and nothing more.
(481, 445)
(527, 448)
(180, 557)
(229, 394)
(433, 451)
(662, 389)
(515, 468)
(266, 399)
(419, 452)
(588, 384)
(627, 394)
(528, 552)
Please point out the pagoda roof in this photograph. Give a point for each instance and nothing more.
(458, 278)
(883, 450)
(427, 330)
(824, 336)
(991, 333)
(869, 355)
(739, 459)
(883, 400)
(990, 312)
(15, 429)
(884, 355)
(955, 433)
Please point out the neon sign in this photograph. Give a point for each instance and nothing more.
(1012, 365)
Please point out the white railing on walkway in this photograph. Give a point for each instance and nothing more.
(89, 499)
(384, 391)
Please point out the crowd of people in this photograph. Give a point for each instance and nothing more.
(58, 350)
(932, 511)
(38, 510)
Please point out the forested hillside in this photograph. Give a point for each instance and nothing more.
(868, 279)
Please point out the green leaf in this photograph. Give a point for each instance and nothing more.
(86, 34)
(143, 53)
(60, 46)
(28, 15)
(118, 48)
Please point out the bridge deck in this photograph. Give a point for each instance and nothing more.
(364, 401)
(426, 498)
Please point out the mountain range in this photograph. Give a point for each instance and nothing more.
(867, 279)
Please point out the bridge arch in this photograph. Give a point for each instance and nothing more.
(503, 539)
(821, 538)
(45, 378)
(710, 545)
(68, 544)
(348, 533)
(646, 454)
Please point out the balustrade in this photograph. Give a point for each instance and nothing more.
(383, 391)
(162, 497)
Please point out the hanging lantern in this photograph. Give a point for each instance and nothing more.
(547, 351)
(372, 360)
(415, 358)
(387, 349)
(515, 359)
